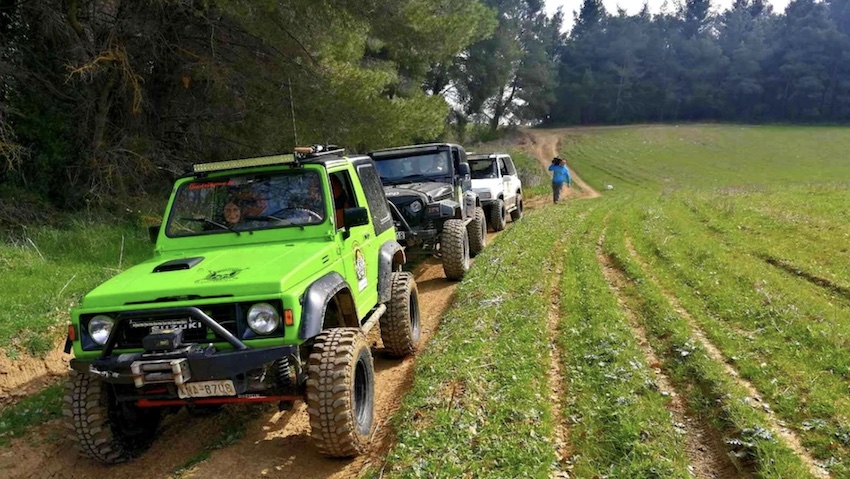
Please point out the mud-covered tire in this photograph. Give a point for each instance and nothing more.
(497, 215)
(516, 214)
(454, 248)
(341, 392)
(400, 324)
(103, 429)
(477, 231)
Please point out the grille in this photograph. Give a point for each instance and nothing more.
(131, 332)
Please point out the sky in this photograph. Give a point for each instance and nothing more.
(634, 6)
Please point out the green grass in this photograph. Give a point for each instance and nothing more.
(480, 402)
(620, 424)
(44, 271)
(535, 180)
(36, 409)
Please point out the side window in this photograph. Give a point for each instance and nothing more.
(510, 164)
(503, 169)
(343, 195)
(456, 159)
(375, 197)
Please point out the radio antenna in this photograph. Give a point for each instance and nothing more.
(292, 110)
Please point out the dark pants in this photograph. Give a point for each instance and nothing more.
(556, 191)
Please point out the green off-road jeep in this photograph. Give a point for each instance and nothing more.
(267, 274)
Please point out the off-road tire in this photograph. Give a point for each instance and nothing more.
(477, 230)
(454, 248)
(103, 429)
(400, 324)
(341, 392)
(497, 215)
(516, 214)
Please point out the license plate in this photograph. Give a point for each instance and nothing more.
(202, 389)
(399, 235)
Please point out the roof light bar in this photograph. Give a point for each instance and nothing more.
(244, 163)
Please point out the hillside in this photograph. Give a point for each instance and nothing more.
(689, 321)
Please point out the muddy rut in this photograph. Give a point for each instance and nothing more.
(275, 444)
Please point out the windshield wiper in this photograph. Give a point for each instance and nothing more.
(208, 221)
(409, 179)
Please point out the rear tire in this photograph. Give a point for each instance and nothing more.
(400, 324)
(497, 215)
(516, 214)
(341, 392)
(477, 231)
(454, 246)
(104, 429)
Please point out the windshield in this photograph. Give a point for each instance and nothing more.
(483, 169)
(408, 169)
(247, 203)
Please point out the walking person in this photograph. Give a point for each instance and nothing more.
(560, 175)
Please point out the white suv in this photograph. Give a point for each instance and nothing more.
(495, 179)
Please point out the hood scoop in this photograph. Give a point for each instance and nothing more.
(178, 264)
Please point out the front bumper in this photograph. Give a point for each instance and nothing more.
(189, 364)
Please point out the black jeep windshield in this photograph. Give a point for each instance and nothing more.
(483, 169)
(247, 203)
(414, 168)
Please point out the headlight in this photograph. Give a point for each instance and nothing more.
(263, 318)
(99, 328)
(416, 206)
(484, 195)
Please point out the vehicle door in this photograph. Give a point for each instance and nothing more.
(357, 243)
(381, 221)
(464, 184)
(504, 179)
(514, 184)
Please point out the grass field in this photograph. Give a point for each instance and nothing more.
(44, 271)
(694, 321)
(703, 319)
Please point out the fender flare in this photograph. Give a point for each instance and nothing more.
(315, 301)
(388, 252)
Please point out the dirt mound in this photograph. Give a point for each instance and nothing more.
(25, 375)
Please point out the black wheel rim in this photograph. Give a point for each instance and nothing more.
(361, 396)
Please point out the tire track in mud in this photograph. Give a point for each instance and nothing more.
(557, 392)
(704, 446)
(274, 444)
(788, 436)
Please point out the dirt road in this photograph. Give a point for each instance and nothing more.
(275, 444)
(545, 145)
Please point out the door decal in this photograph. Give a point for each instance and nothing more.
(360, 269)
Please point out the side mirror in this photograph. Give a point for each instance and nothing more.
(463, 170)
(153, 232)
(355, 217)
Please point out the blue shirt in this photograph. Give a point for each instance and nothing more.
(560, 174)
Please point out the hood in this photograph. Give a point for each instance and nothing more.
(428, 191)
(256, 269)
(487, 185)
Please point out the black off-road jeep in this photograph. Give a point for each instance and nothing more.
(433, 205)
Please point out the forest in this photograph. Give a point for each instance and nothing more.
(105, 101)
